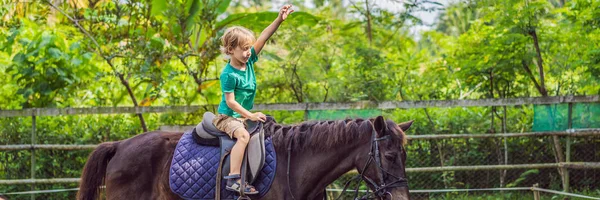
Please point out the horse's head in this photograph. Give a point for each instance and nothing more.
(383, 163)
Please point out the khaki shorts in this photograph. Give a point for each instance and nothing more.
(228, 124)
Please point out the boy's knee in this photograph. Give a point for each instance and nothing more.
(242, 135)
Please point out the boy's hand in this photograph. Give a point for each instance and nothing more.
(284, 12)
(258, 116)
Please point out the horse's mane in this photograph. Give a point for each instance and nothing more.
(323, 135)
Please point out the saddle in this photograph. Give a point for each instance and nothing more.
(207, 134)
(193, 171)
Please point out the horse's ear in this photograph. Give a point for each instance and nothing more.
(406, 125)
(380, 126)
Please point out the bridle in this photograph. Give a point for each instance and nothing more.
(381, 188)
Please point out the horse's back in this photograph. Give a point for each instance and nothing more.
(139, 168)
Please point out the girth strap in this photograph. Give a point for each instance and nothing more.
(220, 175)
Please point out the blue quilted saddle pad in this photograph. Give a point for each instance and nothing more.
(194, 169)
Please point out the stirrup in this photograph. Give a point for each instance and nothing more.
(234, 186)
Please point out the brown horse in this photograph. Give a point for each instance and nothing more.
(138, 167)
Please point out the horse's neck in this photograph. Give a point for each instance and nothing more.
(316, 169)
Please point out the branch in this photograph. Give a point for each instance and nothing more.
(210, 79)
(185, 55)
(539, 61)
(192, 73)
(530, 75)
(470, 91)
(123, 56)
(326, 92)
(76, 22)
(392, 35)
(358, 9)
(107, 59)
(198, 38)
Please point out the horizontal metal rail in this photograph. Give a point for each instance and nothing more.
(486, 189)
(363, 191)
(42, 191)
(572, 133)
(48, 147)
(449, 190)
(307, 106)
(572, 165)
(564, 193)
(39, 181)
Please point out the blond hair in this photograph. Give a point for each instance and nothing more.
(234, 37)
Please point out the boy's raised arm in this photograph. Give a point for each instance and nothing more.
(268, 32)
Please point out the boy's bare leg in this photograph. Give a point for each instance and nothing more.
(237, 155)
(237, 152)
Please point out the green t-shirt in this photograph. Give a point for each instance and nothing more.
(241, 83)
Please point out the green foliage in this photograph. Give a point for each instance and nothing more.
(342, 114)
(523, 177)
(46, 68)
(476, 52)
(163, 53)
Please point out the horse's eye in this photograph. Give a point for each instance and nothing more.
(391, 156)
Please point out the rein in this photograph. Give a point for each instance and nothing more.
(381, 188)
(289, 158)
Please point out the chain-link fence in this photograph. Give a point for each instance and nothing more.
(526, 160)
(523, 154)
(467, 152)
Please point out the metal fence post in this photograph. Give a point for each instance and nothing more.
(504, 130)
(33, 122)
(306, 113)
(536, 193)
(568, 150)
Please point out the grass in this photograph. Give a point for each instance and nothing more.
(513, 195)
(504, 195)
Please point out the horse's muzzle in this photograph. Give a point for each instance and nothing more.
(399, 193)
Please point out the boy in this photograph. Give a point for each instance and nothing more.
(238, 85)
